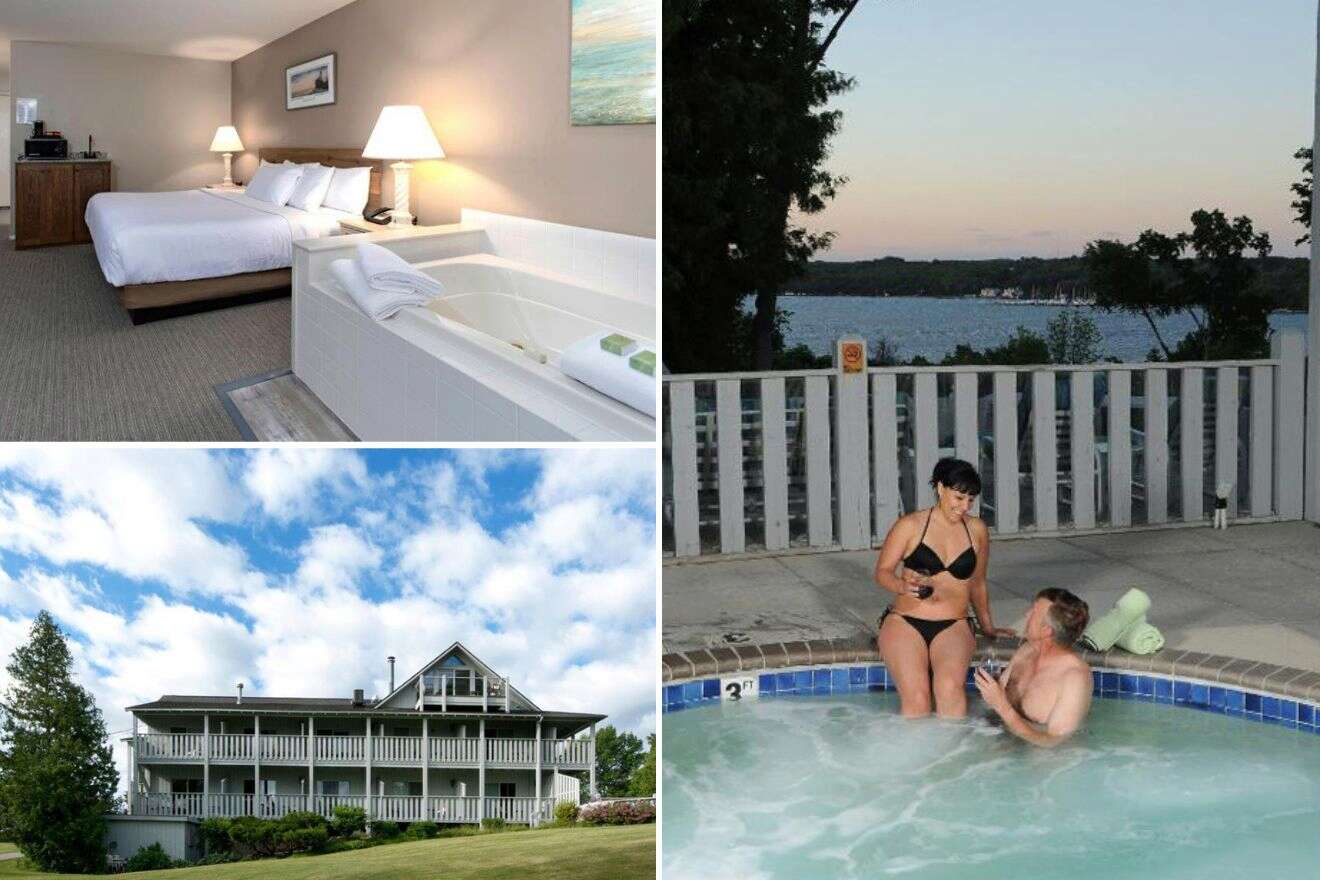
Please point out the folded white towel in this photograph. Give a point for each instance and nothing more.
(376, 304)
(386, 270)
(609, 374)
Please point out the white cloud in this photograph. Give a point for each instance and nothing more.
(621, 477)
(286, 481)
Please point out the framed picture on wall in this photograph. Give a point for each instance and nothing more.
(310, 84)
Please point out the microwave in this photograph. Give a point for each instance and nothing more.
(46, 148)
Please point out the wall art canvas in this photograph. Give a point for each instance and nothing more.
(613, 63)
(310, 84)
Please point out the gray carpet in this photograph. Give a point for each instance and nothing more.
(73, 366)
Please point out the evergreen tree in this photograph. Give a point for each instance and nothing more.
(57, 775)
(642, 783)
(618, 755)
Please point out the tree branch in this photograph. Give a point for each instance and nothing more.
(1156, 330)
(834, 32)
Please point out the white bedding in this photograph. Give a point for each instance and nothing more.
(144, 238)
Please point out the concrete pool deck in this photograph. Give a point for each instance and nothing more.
(1251, 591)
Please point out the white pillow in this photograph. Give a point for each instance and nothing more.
(312, 187)
(274, 183)
(349, 190)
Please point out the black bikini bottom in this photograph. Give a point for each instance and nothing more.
(928, 629)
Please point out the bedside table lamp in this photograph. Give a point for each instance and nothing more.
(402, 133)
(226, 141)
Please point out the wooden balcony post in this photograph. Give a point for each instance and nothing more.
(852, 444)
(506, 693)
(256, 758)
(369, 770)
(538, 762)
(426, 765)
(311, 764)
(1289, 346)
(592, 755)
(133, 771)
(481, 770)
(206, 765)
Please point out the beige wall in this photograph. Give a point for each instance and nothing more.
(493, 78)
(154, 115)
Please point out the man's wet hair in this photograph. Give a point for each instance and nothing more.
(1068, 615)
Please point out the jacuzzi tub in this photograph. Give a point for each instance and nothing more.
(458, 369)
(811, 773)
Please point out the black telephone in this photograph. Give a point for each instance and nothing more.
(380, 216)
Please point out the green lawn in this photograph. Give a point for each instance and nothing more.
(604, 853)
(7, 847)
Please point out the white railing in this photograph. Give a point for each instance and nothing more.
(452, 809)
(511, 751)
(396, 749)
(523, 810)
(821, 459)
(283, 747)
(558, 752)
(341, 749)
(273, 806)
(166, 804)
(229, 805)
(397, 808)
(231, 747)
(325, 803)
(454, 750)
(169, 745)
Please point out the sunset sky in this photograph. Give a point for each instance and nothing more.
(1031, 127)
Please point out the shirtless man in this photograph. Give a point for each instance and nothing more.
(1045, 692)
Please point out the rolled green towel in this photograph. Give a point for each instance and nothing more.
(1141, 638)
(1104, 631)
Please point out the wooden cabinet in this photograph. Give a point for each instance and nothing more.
(51, 201)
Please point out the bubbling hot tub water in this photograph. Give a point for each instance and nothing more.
(842, 787)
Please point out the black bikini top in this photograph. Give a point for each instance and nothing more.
(924, 560)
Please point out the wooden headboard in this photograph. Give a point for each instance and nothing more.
(335, 157)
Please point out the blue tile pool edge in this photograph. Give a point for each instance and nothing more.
(1107, 683)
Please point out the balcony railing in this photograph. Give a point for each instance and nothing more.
(395, 808)
(404, 751)
(822, 459)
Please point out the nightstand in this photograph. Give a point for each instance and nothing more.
(358, 224)
(225, 187)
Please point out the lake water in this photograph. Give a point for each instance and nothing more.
(932, 327)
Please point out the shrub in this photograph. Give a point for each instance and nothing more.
(617, 813)
(219, 858)
(215, 835)
(253, 836)
(423, 830)
(348, 820)
(303, 840)
(301, 819)
(493, 824)
(566, 812)
(149, 858)
(381, 828)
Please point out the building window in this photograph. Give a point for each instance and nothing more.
(185, 786)
(501, 789)
(332, 786)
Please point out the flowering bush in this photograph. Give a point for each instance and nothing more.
(617, 813)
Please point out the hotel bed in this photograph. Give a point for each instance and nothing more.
(169, 248)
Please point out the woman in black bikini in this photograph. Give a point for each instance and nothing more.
(926, 636)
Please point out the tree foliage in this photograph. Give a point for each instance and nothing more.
(642, 781)
(1073, 338)
(1302, 189)
(57, 776)
(1204, 274)
(618, 755)
(744, 141)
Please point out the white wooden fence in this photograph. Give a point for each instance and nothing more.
(351, 750)
(394, 808)
(820, 459)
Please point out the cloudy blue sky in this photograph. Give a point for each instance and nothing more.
(297, 571)
(1029, 128)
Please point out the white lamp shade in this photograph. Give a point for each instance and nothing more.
(226, 140)
(402, 132)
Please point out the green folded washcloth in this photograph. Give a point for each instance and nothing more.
(1141, 638)
(1104, 631)
(643, 362)
(617, 343)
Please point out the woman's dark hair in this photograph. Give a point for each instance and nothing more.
(956, 474)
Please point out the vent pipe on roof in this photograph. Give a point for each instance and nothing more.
(358, 697)
(240, 693)
(391, 659)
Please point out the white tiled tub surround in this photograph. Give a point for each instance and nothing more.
(408, 378)
(623, 265)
